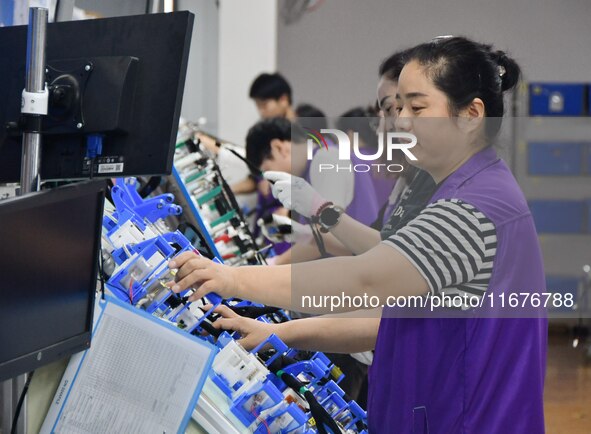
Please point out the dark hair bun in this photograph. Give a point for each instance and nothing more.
(509, 70)
(463, 69)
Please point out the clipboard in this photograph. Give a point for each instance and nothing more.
(141, 375)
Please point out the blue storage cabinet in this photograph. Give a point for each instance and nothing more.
(562, 285)
(550, 158)
(559, 216)
(557, 99)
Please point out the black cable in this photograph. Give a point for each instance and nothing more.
(255, 170)
(152, 184)
(20, 402)
(254, 311)
(321, 416)
(234, 203)
(92, 167)
(229, 194)
(319, 240)
(283, 361)
(101, 272)
(208, 253)
(108, 194)
(210, 329)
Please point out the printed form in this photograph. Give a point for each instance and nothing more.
(139, 376)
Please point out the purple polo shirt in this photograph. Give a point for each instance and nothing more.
(469, 375)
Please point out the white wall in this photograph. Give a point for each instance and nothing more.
(331, 55)
(200, 98)
(247, 47)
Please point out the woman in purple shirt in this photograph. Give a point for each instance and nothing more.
(464, 369)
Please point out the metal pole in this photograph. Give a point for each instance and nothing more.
(33, 111)
(35, 84)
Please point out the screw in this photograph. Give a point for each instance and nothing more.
(87, 68)
(79, 125)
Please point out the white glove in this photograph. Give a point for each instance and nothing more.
(275, 231)
(295, 193)
(366, 357)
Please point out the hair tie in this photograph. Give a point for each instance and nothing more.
(441, 38)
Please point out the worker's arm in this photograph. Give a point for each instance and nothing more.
(355, 236)
(309, 251)
(295, 193)
(333, 334)
(445, 246)
(247, 185)
(380, 272)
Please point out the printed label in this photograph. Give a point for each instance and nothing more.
(110, 168)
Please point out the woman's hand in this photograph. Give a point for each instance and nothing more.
(252, 332)
(203, 275)
(295, 193)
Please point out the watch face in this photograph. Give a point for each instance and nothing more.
(329, 216)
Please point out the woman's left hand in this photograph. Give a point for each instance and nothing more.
(252, 332)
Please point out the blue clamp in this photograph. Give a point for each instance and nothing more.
(248, 407)
(294, 416)
(279, 346)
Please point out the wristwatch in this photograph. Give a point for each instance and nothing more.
(329, 216)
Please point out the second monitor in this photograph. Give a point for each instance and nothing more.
(49, 244)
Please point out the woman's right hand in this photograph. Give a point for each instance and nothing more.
(295, 193)
(203, 275)
(252, 332)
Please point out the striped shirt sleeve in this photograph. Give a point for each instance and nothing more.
(452, 244)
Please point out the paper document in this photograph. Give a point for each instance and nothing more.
(140, 375)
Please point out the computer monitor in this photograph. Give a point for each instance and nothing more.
(119, 78)
(49, 246)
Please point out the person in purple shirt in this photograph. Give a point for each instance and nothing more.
(458, 372)
(278, 145)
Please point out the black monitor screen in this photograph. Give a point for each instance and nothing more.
(49, 245)
(121, 79)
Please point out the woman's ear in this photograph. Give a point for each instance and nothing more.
(472, 116)
(476, 108)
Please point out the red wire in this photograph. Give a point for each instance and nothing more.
(263, 421)
(224, 237)
(131, 291)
